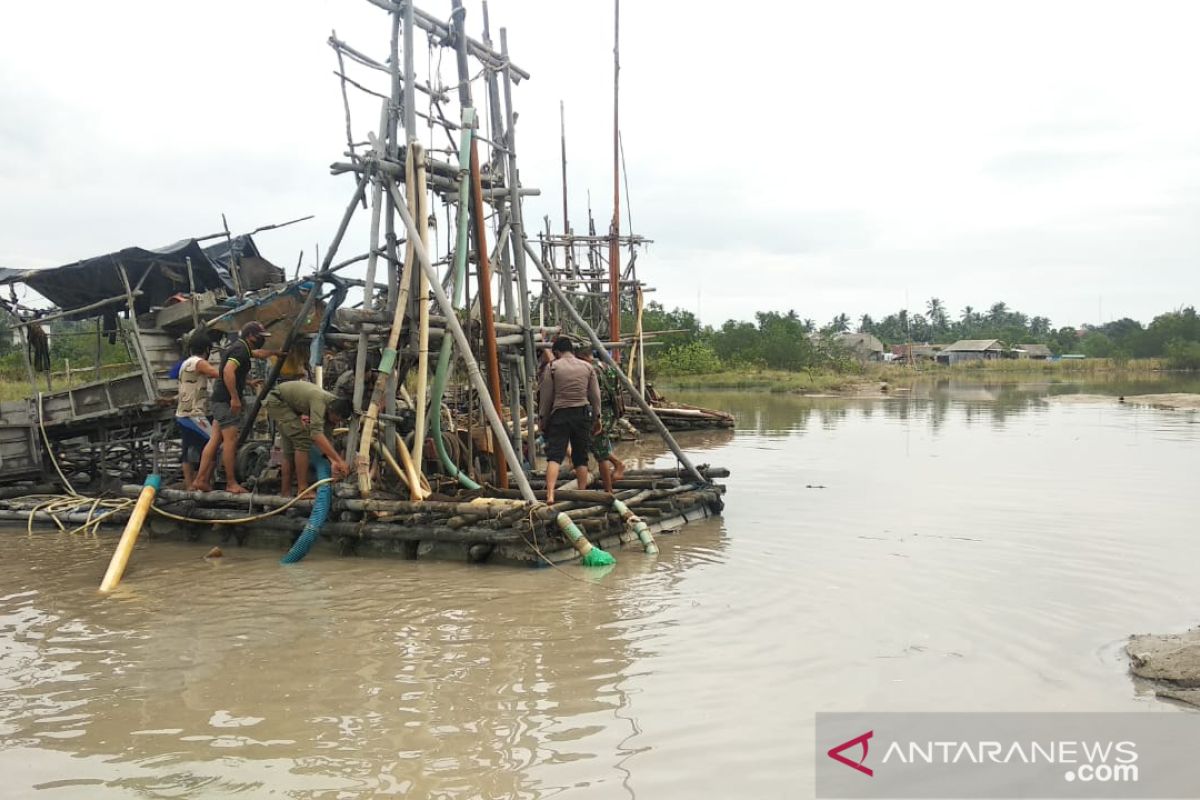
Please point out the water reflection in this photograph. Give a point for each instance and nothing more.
(931, 402)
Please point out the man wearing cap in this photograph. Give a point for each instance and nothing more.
(226, 406)
(568, 407)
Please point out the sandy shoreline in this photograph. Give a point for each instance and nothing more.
(1172, 401)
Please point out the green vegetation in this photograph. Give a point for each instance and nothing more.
(1183, 355)
(784, 352)
(770, 380)
(73, 341)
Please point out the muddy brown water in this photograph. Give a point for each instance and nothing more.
(962, 547)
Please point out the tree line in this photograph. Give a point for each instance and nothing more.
(784, 340)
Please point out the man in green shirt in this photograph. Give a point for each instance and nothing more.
(300, 411)
(612, 408)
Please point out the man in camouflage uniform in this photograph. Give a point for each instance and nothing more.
(612, 408)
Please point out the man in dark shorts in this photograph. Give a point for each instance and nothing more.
(568, 411)
(302, 411)
(226, 406)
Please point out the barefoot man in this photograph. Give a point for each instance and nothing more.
(568, 407)
(226, 406)
(612, 408)
(301, 412)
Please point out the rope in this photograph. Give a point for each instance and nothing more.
(59, 504)
(534, 547)
(243, 520)
(50, 450)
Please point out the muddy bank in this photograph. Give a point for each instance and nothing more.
(1168, 664)
(1171, 401)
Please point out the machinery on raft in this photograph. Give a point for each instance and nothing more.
(437, 352)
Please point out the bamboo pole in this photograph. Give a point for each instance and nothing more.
(192, 296)
(614, 247)
(549, 281)
(464, 347)
(486, 307)
(431, 24)
(517, 226)
(99, 349)
(147, 372)
(562, 130)
(637, 334)
(423, 319)
(396, 292)
(360, 361)
(121, 298)
(388, 361)
(235, 269)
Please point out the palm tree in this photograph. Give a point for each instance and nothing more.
(809, 325)
(937, 314)
(840, 323)
(998, 312)
(865, 324)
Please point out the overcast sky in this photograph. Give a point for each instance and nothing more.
(823, 156)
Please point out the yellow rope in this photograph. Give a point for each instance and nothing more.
(244, 520)
(50, 450)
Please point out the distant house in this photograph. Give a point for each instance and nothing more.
(862, 346)
(901, 353)
(971, 350)
(1039, 352)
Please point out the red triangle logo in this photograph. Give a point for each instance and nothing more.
(836, 752)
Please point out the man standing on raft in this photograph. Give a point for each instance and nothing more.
(568, 411)
(226, 406)
(612, 408)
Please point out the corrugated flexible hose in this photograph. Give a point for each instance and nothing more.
(320, 511)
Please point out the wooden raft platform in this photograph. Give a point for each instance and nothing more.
(487, 525)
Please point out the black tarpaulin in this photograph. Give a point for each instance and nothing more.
(161, 273)
(256, 272)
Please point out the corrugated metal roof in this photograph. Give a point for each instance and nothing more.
(860, 341)
(973, 346)
(1035, 349)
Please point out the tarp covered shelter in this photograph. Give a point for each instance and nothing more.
(161, 273)
(255, 271)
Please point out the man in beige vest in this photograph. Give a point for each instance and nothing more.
(191, 407)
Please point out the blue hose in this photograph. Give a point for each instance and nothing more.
(320, 511)
(336, 298)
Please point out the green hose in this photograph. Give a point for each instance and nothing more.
(638, 526)
(442, 375)
(591, 556)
